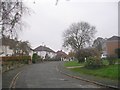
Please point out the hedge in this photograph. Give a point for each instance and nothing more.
(4, 58)
(10, 62)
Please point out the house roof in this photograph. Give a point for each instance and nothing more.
(43, 48)
(61, 54)
(114, 38)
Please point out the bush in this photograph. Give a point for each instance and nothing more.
(85, 53)
(36, 58)
(117, 51)
(111, 60)
(93, 62)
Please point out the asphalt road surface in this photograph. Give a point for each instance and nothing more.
(46, 75)
(0, 81)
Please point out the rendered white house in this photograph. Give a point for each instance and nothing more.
(43, 50)
(5, 51)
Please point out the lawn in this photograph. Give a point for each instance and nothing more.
(110, 71)
(73, 63)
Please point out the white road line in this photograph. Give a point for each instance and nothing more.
(13, 82)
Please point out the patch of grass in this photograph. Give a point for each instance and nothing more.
(105, 61)
(107, 71)
(73, 63)
(118, 61)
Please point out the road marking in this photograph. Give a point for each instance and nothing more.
(13, 82)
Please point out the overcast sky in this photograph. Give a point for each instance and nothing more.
(47, 22)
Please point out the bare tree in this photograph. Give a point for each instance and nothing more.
(78, 35)
(11, 12)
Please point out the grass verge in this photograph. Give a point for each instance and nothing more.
(109, 71)
(73, 63)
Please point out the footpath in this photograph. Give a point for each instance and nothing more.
(105, 82)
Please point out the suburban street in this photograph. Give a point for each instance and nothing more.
(59, 44)
(46, 75)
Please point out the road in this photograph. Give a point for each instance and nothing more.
(46, 75)
(0, 81)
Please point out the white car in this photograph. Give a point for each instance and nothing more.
(103, 56)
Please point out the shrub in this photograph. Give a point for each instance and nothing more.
(93, 62)
(85, 53)
(111, 59)
(117, 51)
(36, 58)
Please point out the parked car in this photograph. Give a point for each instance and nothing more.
(103, 56)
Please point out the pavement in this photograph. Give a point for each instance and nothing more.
(109, 83)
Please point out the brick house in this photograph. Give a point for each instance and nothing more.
(62, 56)
(112, 44)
